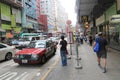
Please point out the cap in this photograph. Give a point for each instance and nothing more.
(100, 33)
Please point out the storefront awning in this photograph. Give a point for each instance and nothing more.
(2, 30)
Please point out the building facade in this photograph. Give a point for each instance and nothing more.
(10, 17)
(29, 16)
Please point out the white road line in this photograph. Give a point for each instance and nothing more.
(21, 76)
(24, 78)
(2, 66)
(4, 74)
(38, 74)
(14, 64)
(10, 75)
(13, 74)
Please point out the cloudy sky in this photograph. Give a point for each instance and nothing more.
(69, 6)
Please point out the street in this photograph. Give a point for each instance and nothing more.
(13, 71)
(53, 70)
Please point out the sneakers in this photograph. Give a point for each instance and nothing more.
(104, 70)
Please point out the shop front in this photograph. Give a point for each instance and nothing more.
(100, 23)
(114, 32)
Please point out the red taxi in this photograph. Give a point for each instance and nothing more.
(36, 52)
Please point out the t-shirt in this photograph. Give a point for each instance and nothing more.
(63, 44)
(102, 42)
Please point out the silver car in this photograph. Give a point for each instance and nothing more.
(6, 51)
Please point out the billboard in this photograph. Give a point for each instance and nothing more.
(5, 12)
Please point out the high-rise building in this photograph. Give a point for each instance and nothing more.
(56, 15)
(29, 16)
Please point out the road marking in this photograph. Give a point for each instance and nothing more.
(8, 74)
(38, 74)
(4, 74)
(24, 78)
(50, 69)
(21, 76)
(4, 65)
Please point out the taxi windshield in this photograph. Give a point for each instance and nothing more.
(37, 45)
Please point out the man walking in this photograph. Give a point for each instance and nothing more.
(63, 51)
(102, 53)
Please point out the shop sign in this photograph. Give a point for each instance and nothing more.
(115, 19)
(100, 20)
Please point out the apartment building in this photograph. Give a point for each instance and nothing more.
(10, 17)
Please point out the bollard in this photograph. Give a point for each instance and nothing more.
(78, 66)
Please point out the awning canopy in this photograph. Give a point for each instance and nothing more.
(2, 30)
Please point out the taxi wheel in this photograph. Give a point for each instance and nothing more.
(43, 59)
(8, 56)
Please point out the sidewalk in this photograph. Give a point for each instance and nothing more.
(90, 69)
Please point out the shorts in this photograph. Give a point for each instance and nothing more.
(102, 54)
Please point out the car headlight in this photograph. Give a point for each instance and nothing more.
(17, 56)
(34, 56)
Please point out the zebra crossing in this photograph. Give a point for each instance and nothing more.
(14, 76)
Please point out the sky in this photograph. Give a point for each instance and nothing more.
(69, 6)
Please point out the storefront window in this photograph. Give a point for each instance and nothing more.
(114, 36)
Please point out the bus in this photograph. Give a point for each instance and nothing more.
(23, 35)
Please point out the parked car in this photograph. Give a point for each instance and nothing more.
(36, 52)
(6, 51)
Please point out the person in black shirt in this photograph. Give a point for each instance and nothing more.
(63, 51)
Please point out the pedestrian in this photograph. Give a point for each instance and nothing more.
(90, 40)
(63, 51)
(81, 38)
(102, 53)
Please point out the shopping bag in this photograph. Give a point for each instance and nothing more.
(97, 47)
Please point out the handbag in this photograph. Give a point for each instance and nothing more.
(97, 47)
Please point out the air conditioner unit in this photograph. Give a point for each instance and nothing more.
(19, 2)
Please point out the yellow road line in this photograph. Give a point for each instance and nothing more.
(50, 69)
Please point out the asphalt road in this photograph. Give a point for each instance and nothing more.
(13, 71)
(52, 69)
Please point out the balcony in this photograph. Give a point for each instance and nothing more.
(16, 3)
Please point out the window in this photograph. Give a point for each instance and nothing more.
(2, 46)
(47, 44)
(6, 22)
(20, 0)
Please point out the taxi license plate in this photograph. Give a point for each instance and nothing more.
(24, 61)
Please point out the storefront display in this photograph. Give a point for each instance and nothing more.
(114, 32)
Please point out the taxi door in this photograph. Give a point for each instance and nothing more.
(48, 49)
